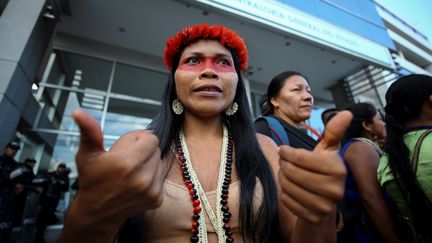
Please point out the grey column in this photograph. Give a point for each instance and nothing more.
(341, 95)
(24, 38)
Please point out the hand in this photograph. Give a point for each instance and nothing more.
(313, 181)
(39, 189)
(118, 183)
(19, 188)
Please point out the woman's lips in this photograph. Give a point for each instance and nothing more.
(208, 88)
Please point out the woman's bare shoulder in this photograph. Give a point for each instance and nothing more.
(269, 149)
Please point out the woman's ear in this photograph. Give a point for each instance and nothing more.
(366, 126)
(275, 102)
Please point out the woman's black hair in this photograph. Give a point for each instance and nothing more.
(405, 98)
(362, 112)
(250, 161)
(328, 114)
(274, 88)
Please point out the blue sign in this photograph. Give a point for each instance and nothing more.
(289, 19)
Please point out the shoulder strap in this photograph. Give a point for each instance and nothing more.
(415, 157)
(345, 147)
(277, 131)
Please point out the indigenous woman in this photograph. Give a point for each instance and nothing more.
(405, 170)
(290, 102)
(367, 216)
(201, 174)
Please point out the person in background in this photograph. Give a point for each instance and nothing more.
(405, 170)
(75, 189)
(8, 189)
(57, 182)
(367, 216)
(8, 163)
(202, 174)
(328, 114)
(75, 185)
(264, 107)
(289, 101)
(23, 176)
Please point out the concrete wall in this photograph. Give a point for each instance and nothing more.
(26, 34)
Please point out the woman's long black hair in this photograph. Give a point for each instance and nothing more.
(362, 112)
(405, 99)
(250, 161)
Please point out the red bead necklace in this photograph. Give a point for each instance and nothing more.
(196, 200)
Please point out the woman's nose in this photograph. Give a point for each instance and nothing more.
(307, 96)
(208, 73)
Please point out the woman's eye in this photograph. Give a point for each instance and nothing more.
(192, 60)
(224, 62)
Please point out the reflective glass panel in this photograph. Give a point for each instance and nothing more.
(139, 82)
(83, 72)
(124, 116)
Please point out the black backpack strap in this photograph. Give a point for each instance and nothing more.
(276, 129)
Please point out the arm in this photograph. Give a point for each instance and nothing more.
(18, 178)
(64, 183)
(113, 185)
(75, 185)
(286, 218)
(363, 162)
(310, 183)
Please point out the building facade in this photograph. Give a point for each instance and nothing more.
(106, 57)
(412, 53)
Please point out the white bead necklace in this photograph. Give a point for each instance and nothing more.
(371, 143)
(215, 219)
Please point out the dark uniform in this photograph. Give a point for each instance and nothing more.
(7, 190)
(58, 182)
(23, 175)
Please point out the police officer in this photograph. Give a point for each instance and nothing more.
(22, 177)
(58, 182)
(7, 189)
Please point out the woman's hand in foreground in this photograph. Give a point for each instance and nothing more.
(312, 182)
(114, 184)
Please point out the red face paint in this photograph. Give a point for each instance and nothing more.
(221, 64)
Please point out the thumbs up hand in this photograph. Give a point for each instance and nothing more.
(313, 181)
(118, 183)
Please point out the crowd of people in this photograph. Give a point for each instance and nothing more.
(205, 171)
(28, 201)
(387, 195)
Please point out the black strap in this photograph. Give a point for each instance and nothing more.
(277, 131)
(416, 154)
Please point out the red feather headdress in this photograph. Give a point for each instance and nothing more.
(189, 35)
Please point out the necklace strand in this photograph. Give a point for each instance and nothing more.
(370, 142)
(220, 220)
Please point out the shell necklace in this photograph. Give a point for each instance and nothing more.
(371, 143)
(220, 219)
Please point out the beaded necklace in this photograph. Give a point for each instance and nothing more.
(372, 143)
(220, 220)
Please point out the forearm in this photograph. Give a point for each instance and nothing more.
(83, 227)
(287, 223)
(379, 213)
(324, 232)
